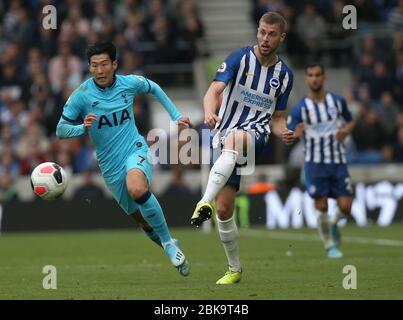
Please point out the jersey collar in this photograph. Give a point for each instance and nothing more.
(108, 87)
(257, 59)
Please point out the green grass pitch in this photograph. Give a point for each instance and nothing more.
(124, 264)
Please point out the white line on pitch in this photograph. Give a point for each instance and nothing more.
(308, 237)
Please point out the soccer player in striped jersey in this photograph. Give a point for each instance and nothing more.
(255, 84)
(324, 120)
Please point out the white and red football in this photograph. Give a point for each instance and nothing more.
(49, 180)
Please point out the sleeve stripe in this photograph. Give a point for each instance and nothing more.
(149, 85)
(68, 119)
(285, 82)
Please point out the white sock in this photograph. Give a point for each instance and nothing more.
(324, 229)
(229, 237)
(338, 216)
(219, 174)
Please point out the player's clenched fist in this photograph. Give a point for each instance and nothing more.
(184, 121)
(288, 136)
(89, 118)
(211, 119)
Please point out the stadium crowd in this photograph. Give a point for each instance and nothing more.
(40, 68)
(374, 54)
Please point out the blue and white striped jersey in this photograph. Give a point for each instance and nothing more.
(253, 92)
(321, 121)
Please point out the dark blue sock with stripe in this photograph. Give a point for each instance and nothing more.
(152, 213)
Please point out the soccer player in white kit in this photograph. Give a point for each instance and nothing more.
(255, 84)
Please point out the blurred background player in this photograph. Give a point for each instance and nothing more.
(325, 121)
(105, 101)
(256, 75)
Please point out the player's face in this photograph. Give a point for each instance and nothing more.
(102, 69)
(269, 37)
(315, 78)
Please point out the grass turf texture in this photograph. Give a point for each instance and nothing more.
(124, 264)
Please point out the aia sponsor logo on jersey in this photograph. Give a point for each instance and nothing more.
(116, 119)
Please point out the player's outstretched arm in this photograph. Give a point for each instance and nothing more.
(211, 102)
(164, 100)
(66, 128)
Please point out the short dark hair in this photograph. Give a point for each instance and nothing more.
(315, 64)
(102, 47)
(274, 18)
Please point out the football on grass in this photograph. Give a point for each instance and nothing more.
(49, 180)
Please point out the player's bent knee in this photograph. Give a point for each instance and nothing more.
(346, 209)
(321, 204)
(136, 191)
(238, 141)
(321, 207)
(225, 212)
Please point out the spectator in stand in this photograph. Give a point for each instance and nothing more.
(137, 37)
(123, 10)
(367, 10)
(311, 29)
(33, 136)
(388, 112)
(161, 33)
(32, 157)
(13, 114)
(64, 66)
(190, 30)
(77, 27)
(398, 146)
(103, 17)
(36, 64)
(9, 164)
(24, 32)
(369, 45)
(398, 75)
(396, 16)
(336, 33)
(39, 67)
(369, 138)
(8, 140)
(7, 189)
(364, 67)
(262, 6)
(380, 82)
(47, 42)
(10, 78)
(131, 63)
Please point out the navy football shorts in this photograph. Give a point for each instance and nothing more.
(330, 180)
